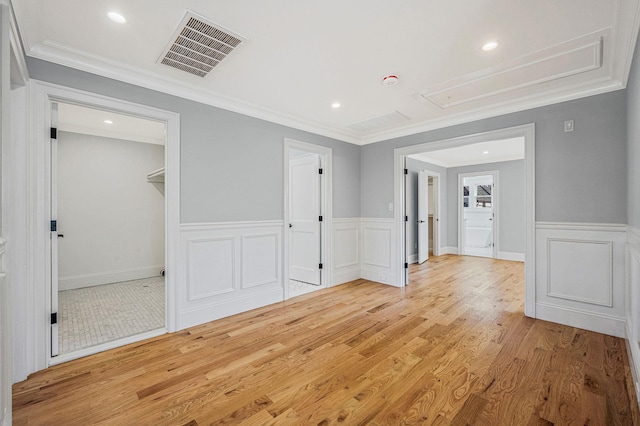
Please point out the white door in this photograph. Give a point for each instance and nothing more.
(423, 216)
(304, 217)
(478, 205)
(435, 209)
(54, 229)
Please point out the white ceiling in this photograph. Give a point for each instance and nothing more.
(300, 57)
(479, 153)
(79, 119)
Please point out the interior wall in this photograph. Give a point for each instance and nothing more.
(570, 167)
(112, 219)
(511, 193)
(222, 146)
(414, 166)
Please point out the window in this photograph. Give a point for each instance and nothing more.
(465, 196)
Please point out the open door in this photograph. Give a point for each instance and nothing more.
(54, 229)
(305, 219)
(423, 216)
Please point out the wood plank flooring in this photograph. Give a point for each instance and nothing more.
(452, 348)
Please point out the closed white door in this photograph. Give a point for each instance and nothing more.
(304, 218)
(54, 229)
(423, 216)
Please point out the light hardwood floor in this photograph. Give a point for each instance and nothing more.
(451, 348)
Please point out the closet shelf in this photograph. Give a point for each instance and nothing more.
(156, 176)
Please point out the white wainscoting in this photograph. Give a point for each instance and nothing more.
(5, 342)
(633, 302)
(228, 268)
(580, 270)
(346, 250)
(378, 246)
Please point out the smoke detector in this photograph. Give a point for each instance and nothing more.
(390, 80)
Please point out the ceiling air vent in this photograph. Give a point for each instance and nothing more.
(199, 45)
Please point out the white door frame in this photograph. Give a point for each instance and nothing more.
(528, 132)
(39, 195)
(494, 208)
(326, 208)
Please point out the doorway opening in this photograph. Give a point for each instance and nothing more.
(307, 218)
(107, 227)
(518, 245)
(477, 214)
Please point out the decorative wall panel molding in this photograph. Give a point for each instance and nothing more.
(260, 260)
(346, 250)
(633, 302)
(228, 268)
(378, 245)
(580, 270)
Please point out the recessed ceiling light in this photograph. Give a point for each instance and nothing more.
(108, 122)
(116, 17)
(335, 105)
(485, 152)
(490, 45)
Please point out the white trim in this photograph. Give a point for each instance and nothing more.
(607, 227)
(66, 56)
(593, 321)
(106, 346)
(42, 95)
(326, 207)
(17, 47)
(528, 132)
(449, 250)
(413, 258)
(494, 208)
(516, 257)
(229, 225)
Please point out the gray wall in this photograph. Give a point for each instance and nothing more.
(231, 164)
(511, 196)
(414, 166)
(111, 217)
(571, 168)
(633, 130)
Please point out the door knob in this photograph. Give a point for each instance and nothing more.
(290, 226)
(421, 221)
(60, 235)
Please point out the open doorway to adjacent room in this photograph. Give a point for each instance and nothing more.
(482, 197)
(107, 227)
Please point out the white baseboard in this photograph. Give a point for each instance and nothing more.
(226, 308)
(600, 323)
(376, 276)
(344, 275)
(413, 258)
(449, 250)
(108, 277)
(505, 255)
(633, 353)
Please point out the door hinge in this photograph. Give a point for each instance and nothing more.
(406, 265)
(406, 171)
(54, 318)
(54, 226)
(54, 133)
(320, 171)
(320, 218)
(320, 266)
(406, 218)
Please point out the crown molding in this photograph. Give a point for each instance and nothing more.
(63, 55)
